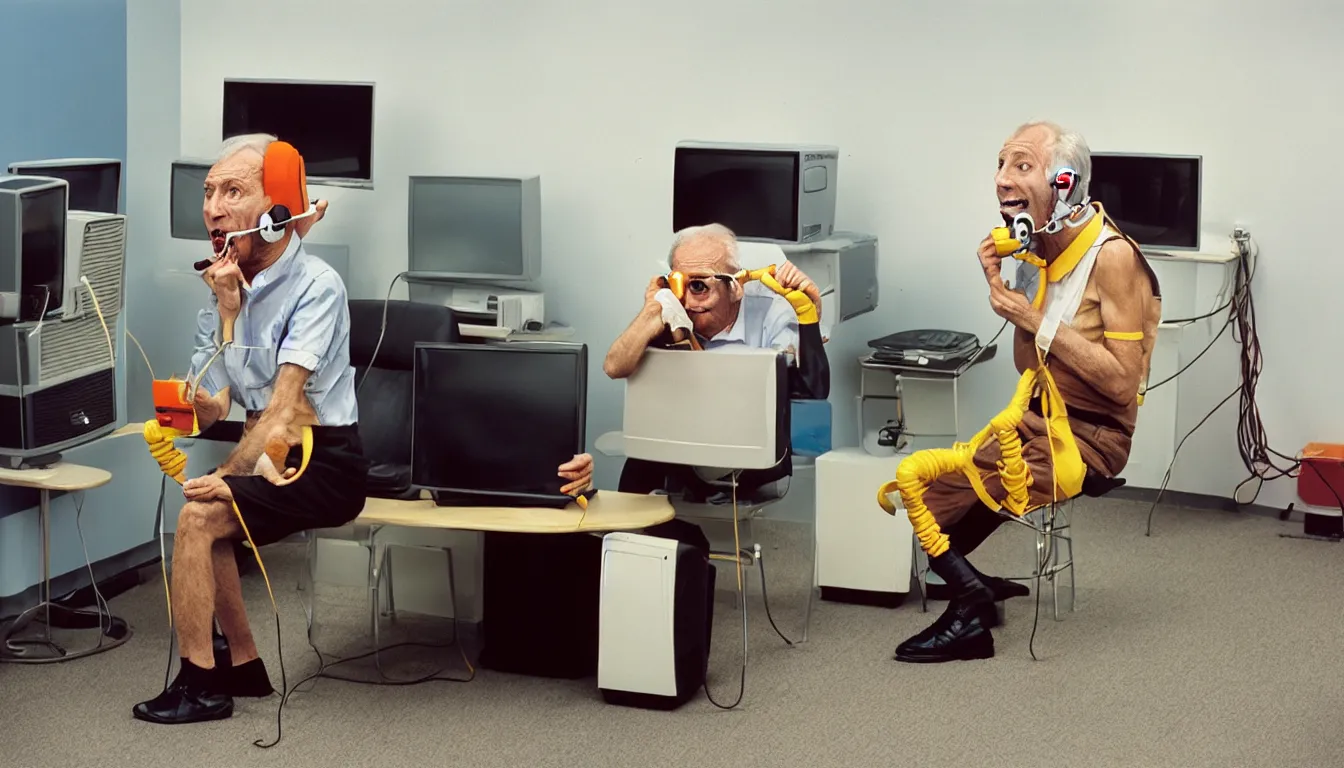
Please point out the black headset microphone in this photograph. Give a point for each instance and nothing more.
(271, 228)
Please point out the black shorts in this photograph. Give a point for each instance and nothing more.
(329, 494)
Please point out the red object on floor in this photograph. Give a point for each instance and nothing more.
(1320, 483)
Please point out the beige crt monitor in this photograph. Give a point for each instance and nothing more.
(726, 407)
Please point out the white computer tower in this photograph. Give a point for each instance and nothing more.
(863, 553)
(654, 621)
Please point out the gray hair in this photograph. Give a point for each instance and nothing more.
(714, 232)
(1068, 149)
(257, 142)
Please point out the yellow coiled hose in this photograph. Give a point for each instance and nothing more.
(171, 459)
(918, 470)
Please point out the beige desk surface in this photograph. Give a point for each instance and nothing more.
(61, 476)
(607, 511)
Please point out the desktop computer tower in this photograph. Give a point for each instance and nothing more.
(58, 375)
(864, 555)
(655, 621)
(540, 603)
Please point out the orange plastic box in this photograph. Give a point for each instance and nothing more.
(170, 408)
(1320, 482)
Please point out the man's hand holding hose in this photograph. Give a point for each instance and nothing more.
(789, 281)
(811, 380)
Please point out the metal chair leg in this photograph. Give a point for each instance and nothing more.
(391, 592)
(452, 591)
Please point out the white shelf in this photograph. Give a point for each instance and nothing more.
(1193, 257)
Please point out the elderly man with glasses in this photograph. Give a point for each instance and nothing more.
(721, 312)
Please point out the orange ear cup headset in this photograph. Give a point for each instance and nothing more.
(285, 181)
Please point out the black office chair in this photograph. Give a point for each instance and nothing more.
(384, 386)
(384, 383)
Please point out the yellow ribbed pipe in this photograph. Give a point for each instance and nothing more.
(920, 469)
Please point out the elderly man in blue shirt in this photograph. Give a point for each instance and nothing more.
(722, 313)
(275, 339)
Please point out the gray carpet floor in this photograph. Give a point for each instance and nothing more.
(1215, 642)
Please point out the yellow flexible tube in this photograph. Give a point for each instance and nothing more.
(917, 471)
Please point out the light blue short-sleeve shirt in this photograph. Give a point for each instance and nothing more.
(765, 320)
(295, 312)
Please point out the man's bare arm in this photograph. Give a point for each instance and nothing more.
(1024, 351)
(1114, 367)
(285, 414)
(628, 349)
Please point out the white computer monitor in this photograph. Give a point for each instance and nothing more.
(781, 193)
(722, 408)
(474, 228)
(95, 182)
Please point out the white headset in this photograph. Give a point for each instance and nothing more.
(272, 228)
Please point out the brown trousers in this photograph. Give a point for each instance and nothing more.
(1104, 450)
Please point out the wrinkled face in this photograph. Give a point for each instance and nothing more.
(234, 201)
(1023, 178)
(711, 297)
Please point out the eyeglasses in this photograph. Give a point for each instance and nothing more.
(699, 286)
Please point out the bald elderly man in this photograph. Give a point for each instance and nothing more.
(1089, 317)
(288, 366)
(722, 313)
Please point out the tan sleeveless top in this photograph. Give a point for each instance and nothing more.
(1077, 392)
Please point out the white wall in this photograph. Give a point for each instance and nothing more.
(593, 96)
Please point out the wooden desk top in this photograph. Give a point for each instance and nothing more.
(607, 511)
(61, 476)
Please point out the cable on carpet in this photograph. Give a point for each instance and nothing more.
(742, 596)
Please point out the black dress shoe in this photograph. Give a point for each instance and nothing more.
(1004, 589)
(250, 680)
(189, 699)
(223, 660)
(960, 634)
(963, 631)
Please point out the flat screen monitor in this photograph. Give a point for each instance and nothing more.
(1155, 199)
(474, 228)
(492, 423)
(95, 183)
(186, 199)
(32, 246)
(330, 124)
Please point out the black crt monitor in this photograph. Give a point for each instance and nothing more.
(187, 199)
(492, 423)
(95, 183)
(754, 193)
(1155, 199)
(32, 247)
(330, 124)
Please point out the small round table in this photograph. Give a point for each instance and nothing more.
(66, 478)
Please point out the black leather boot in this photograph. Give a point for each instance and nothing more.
(963, 631)
(965, 536)
(191, 698)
